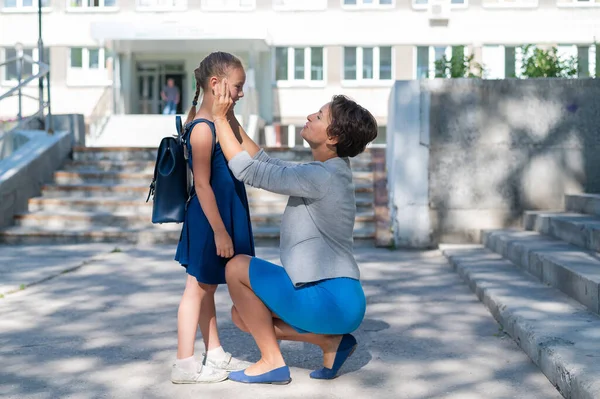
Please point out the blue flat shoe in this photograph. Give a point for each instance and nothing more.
(280, 376)
(347, 346)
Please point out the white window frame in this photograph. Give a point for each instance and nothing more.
(84, 75)
(424, 7)
(512, 4)
(578, 4)
(360, 5)
(226, 7)
(20, 8)
(307, 81)
(300, 5)
(360, 81)
(181, 5)
(86, 8)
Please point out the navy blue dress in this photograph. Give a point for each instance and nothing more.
(196, 250)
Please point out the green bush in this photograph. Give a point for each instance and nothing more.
(541, 63)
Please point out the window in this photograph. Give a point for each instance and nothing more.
(166, 5)
(299, 64)
(299, 5)
(428, 55)
(24, 5)
(87, 66)
(510, 3)
(368, 3)
(367, 63)
(87, 58)
(593, 61)
(11, 70)
(228, 5)
(506, 62)
(494, 62)
(578, 3)
(91, 4)
(423, 4)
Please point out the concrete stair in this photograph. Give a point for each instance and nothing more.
(100, 196)
(542, 283)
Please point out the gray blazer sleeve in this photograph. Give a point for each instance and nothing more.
(264, 157)
(307, 180)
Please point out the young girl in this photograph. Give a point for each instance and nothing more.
(217, 226)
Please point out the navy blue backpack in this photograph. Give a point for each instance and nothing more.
(170, 187)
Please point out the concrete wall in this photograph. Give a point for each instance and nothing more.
(495, 148)
(24, 172)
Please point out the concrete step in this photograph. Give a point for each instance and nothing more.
(102, 177)
(154, 234)
(559, 334)
(564, 266)
(138, 205)
(583, 203)
(110, 166)
(577, 229)
(115, 177)
(129, 220)
(114, 154)
(140, 191)
(91, 204)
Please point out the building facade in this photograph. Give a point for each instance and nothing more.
(298, 53)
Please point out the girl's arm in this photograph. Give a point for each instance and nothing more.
(201, 140)
(304, 180)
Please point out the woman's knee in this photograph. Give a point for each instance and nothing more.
(237, 266)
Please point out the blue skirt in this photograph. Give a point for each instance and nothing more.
(333, 306)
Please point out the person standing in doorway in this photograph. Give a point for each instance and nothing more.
(170, 95)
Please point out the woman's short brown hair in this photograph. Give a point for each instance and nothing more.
(353, 125)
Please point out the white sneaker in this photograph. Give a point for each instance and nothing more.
(204, 374)
(229, 363)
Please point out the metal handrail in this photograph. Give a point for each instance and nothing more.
(100, 114)
(43, 73)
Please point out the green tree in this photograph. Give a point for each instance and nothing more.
(458, 66)
(542, 63)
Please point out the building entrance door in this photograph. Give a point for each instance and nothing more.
(151, 79)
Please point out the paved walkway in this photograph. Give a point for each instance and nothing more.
(107, 329)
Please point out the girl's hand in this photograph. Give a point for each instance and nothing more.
(224, 244)
(222, 102)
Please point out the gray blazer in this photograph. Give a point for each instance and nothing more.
(318, 222)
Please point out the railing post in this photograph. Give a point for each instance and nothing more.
(50, 126)
(40, 58)
(19, 49)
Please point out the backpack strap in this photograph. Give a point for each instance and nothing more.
(188, 131)
(187, 147)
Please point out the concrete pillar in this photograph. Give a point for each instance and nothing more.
(264, 87)
(127, 86)
(407, 161)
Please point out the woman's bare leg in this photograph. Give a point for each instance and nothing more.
(255, 315)
(283, 331)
